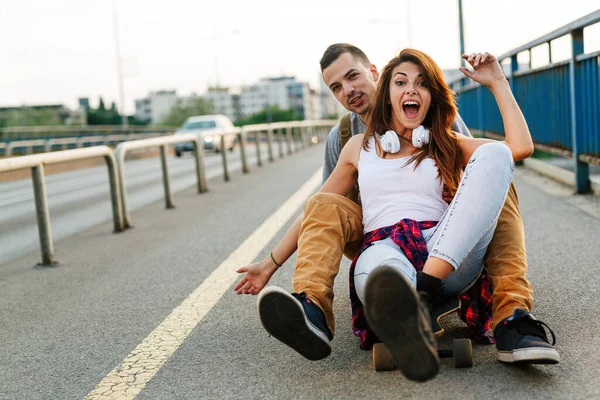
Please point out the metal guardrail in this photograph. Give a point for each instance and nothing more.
(559, 100)
(27, 144)
(162, 143)
(44, 132)
(302, 133)
(286, 132)
(314, 132)
(37, 161)
(258, 130)
(64, 142)
(237, 132)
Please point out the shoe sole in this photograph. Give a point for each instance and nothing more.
(284, 318)
(532, 355)
(393, 310)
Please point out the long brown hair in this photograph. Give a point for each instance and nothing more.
(443, 143)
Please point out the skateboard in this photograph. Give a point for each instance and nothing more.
(462, 349)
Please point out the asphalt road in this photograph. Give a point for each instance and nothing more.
(65, 328)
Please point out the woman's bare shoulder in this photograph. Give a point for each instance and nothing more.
(351, 151)
(357, 138)
(354, 143)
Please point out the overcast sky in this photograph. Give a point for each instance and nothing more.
(57, 51)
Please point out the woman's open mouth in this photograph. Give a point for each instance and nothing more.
(411, 109)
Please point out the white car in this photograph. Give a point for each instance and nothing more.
(208, 129)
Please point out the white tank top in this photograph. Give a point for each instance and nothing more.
(391, 191)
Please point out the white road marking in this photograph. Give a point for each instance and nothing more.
(137, 369)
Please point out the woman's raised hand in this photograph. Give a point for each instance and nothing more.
(487, 70)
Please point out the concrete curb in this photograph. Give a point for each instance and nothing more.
(558, 174)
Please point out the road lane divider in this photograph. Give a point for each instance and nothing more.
(130, 377)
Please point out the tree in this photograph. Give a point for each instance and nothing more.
(112, 115)
(182, 111)
(131, 120)
(104, 116)
(31, 116)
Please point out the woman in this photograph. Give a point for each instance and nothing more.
(401, 168)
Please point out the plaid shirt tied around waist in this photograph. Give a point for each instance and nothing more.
(476, 303)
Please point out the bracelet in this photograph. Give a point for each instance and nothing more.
(276, 263)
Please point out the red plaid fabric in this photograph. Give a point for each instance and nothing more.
(476, 309)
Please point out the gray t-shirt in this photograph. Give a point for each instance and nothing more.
(333, 147)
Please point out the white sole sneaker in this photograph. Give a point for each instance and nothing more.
(283, 317)
(532, 355)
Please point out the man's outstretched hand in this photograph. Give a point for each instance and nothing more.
(256, 278)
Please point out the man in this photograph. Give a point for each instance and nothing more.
(304, 320)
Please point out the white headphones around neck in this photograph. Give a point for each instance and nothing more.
(391, 143)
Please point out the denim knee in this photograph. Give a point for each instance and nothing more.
(497, 156)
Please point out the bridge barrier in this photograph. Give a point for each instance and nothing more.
(311, 132)
(258, 130)
(241, 133)
(162, 143)
(110, 135)
(90, 139)
(58, 131)
(302, 133)
(37, 161)
(27, 144)
(78, 142)
(559, 100)
(233, 132)
(63, 142)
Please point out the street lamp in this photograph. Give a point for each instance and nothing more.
(461, 31)
(119, 65)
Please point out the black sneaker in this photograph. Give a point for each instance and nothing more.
(399, 317)
(431, 290)
(296, 321)
(522, 339)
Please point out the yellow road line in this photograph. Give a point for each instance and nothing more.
(137, 369)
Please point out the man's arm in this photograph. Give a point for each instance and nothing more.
(258, 274)
(332, 152)
(289, 243)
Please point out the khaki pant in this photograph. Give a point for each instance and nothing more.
(332, 226)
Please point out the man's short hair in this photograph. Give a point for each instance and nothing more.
(335, 50)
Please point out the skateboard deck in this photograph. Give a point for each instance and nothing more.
(461, 351)
(447, 307)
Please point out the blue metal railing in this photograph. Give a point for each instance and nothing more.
(557, 123)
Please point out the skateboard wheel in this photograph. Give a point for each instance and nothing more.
(382, 358)
(463, 353)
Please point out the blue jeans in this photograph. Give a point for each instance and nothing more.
(465, 230)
